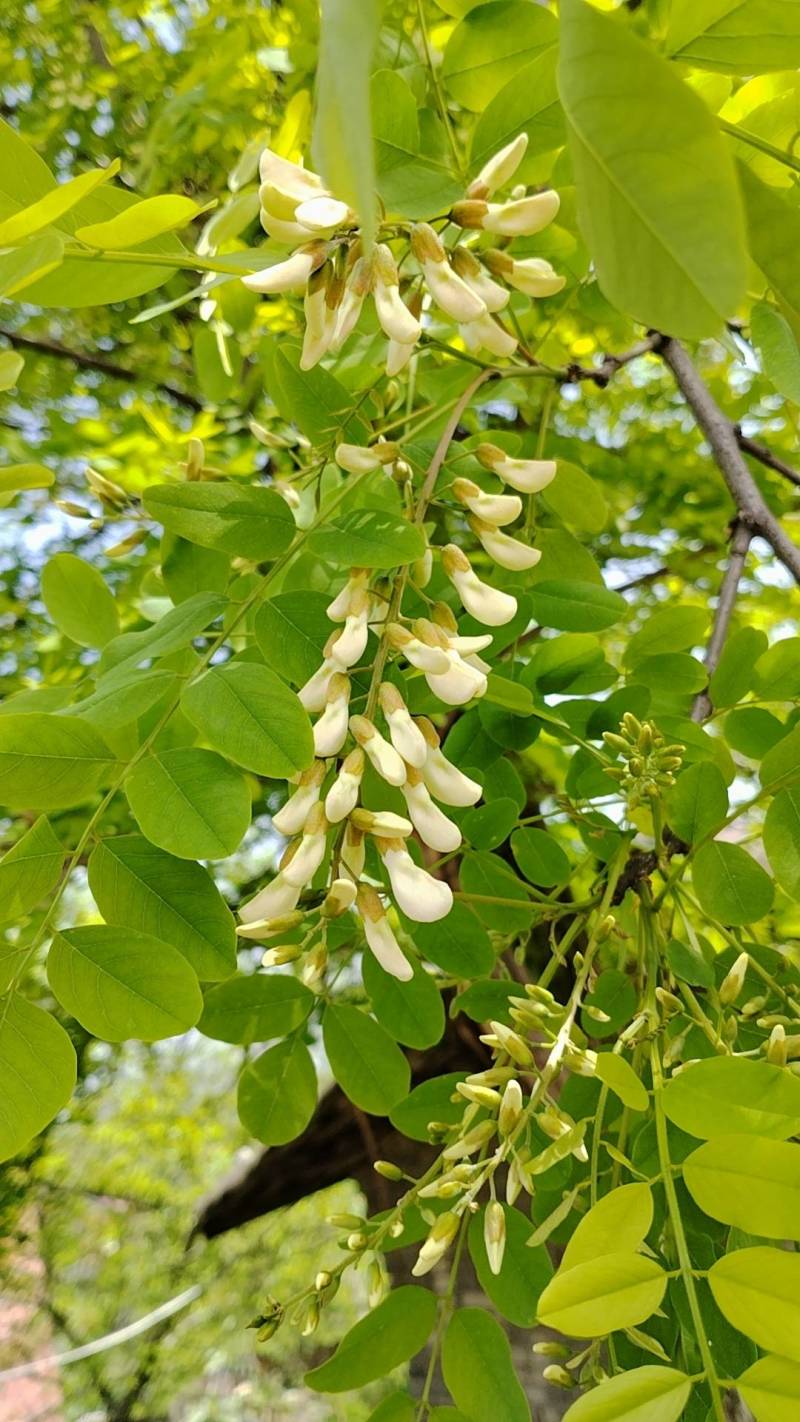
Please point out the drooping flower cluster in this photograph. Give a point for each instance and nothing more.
(403, 750)
(336, 273)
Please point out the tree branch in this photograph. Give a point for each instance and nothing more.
(765, 456)
(601, 374)
(97, 362)
(721, 435)
(741, 537)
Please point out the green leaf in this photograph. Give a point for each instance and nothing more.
(11, 366)
(698, 802)
(250, 715)
(190, 802)
(773, 225)
(314, 400)
(119, 983)
(619, 1075)
(478, 1369)
(658, 202)
(29, 871)
(487, 1000)
(123, 699)
(484, 877)
(591, 1299)
(778, 670)
(78, 600)
(771, 1388)
(619, 1222)
(140, 223)
(729, 883)
(673, 673)
(368, 1065)
(174, 631)
(782, 762)
(528, 103)
(138, 886)
(775, 342)
(247, 520)
(47, 209)
(21, 266)
(748, 1182)
(367, 538)
(410, 183)
(15, 477)
(457, 944)
(342, 144)
(412, 1011)
(615, 994)
(540, 857)
(758, 1290)
(430, 1101)
(575, 606)
(278, 1093)
(25, 176)
(188, 569)
(49, 761)
(255, 1008)
(38, 1067)
(388, 1336)
(490, 46)
(487, 826)
(689, 964)
(725, 1096)
(733, 676)
(753, 731)
(672, 629)
(576, 499)
(782, 839)
(398, 1407)
(523, 1273)
(291, 631)
(651, 1393)
(735, 36)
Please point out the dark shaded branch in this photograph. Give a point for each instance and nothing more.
(765, 456)
(601, 374)
(100, 363)
(721, 435)
(741, 537)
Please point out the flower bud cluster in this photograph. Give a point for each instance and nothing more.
(336, 273)
(649, 762)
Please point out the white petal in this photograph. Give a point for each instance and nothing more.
(407, 738)
(458, 685)
(523, 217)
(385, 759)
(386, 949)
(292, 816)
(485, 333)
(277, 898)
(394, 316)
(508, 552)
(502, 166)
(283, 276)
(330, 731)
(313, 693)
(452, 293)
(431, 824)
(342, 796)
(486, 604)
(420, 896)
(447, 782)
(350, 645)
(530, 476)
(303, 866)
(322, 213)
(289, 177)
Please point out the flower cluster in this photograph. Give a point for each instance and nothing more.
(336, 272)
(649, 763)
(404, 750)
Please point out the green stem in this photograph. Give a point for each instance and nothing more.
(437, 89)
(754, 141)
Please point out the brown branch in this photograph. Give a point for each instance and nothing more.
(721, 435)
(601, 374)
(741, 537)
(100, 363)
(765, 456)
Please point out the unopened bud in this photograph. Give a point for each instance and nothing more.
(558, 1376)
(776, 1047)
(510, 1108)
(494, 1235)
(733, 982)
(388, 1169)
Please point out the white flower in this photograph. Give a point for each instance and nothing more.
(492, 508)
(493, 296)
(488, 334)
(398, 354)
(494, 1235)
(461, 682)
(443, 779)
(508, 552)
(291, 275)
(422, 569)
(354, 851)
(421, 654)
(384, 823)
(535, 277)
(380, 937)
(359, 577)
(343, 794)
(322, 213)
(292, 816)
(304, 857)
(447, 288)
(437, 1244)
(486, 604)
(279, 897)
(340, 897)
(420, 896)
(530, 476)
(289, 178)
(522, 217)
(500, 169)
(405, 736)
(349, 645)
(320, 321)
(330, 731)
(313, 692)
(393, 314)
(356, 459)
(357, 284)
(389, 765)
(431, 824)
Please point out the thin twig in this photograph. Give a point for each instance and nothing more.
(721, 435)
(765, 456)
(741, 537)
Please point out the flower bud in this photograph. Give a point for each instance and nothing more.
(534, 276)
(507, 552)
(292, 816)
(388, 1170)
(380, 936)
(447, 288)
(521, 217)
(281, 954)
(309, 851)
(733, 982)
(389, 765)
(486, 604)
(405, 736)
(330, 731)
(437, 1244)
(343, 794)
(313, 693)
(432, 826)
(496, 509)
(558, 1376)
(510, 1108)
(394, 316)
(500, 169)
(493, 296)
(511, 1043)
(384, 823)
(494, 1235)
(349, 646)
(340, 897)
(357, 285)
(356, 459)
(420, 896)
(471, 1142)
(777, 1051)
(338, 609)
(530, 476)
(421, 654)
(353, 852)
(487, 334)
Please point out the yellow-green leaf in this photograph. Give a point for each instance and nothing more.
(47, 210)
(146, 219)
(595, 1298)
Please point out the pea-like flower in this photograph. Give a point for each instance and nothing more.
(420, 896)
(343, 794)
(443, 779)
(488, 334)
(499, 169)
(506, 551)
(289, 275)
(277, 898)
(393, 314)
(532, 275)
(530, 476)
(307, 853)
(330, 731)
(385, 759)
(492, 508)
(292, 816)
(405, 736)
(455, 297)
(521, 217)
(431, 823)
(486, 604)
(380, 935)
